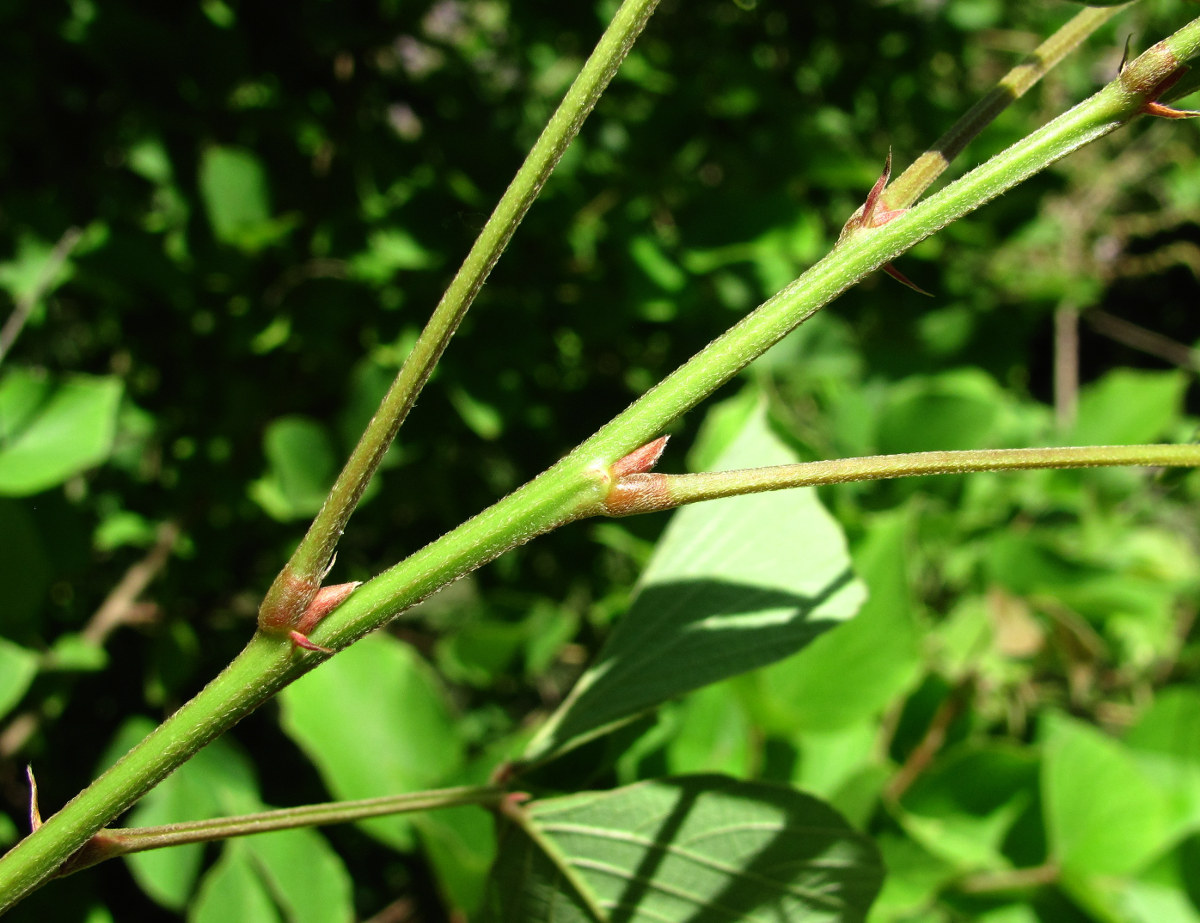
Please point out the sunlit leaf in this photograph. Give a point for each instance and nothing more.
(52, 430)
(734, 584)
(1104, 815)
(376, 722)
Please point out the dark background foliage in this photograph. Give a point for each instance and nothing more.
(271, 200)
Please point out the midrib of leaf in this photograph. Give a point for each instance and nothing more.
(560, 861)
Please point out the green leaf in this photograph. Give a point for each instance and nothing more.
(1165, 742)
(232, 891)
(1166, 892)
(710, 732)
(301, 871)
(1126, 407)
(695, 848)
(52, 430)
(388, 252)
(649, 256)
(375, 721)
(734, 584)
(233, 185)
(301, 468)
(483, 418)
(848, 675)
(1104, 815)
(17, 669)
(461, 846)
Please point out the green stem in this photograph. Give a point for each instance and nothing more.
(111, 843)
(577, 485)
(646, 493)
(260, 670)
(298, 582)
(907, 188)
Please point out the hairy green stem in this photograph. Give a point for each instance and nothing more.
(647, 493)
(298, 582)
(578, 484)
(111, 843)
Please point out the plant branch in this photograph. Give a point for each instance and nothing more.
(920, 175)
(296, 585)
(111, 843)
(647, 493)
(577, 485)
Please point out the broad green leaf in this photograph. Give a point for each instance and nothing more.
(233, 185)
(711, 732)
(52, 430)
(301, 871)
(460, 844)
(17, 669)
(375, 721)
(1104, 815)
(1128, 406)
(1165, 742)
(301, 467)
(914, 879)
(1166, 891)
(848, 675)
(231, 891)
(694, 848)
(734, 584)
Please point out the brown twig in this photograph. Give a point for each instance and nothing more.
(1010, 880)
(121, 607)
(1147, 341)
(933, 741)
(1066, 364)
(23, 305)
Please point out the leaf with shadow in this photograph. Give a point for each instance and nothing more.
(691, 849)
(734, 584)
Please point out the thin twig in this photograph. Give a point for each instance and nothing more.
(920, 175)
(1066, 364)
(23, 305)
(935, 738)
(120, 605)
(1137, 337)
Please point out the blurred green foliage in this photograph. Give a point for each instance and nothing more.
(227, 225)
